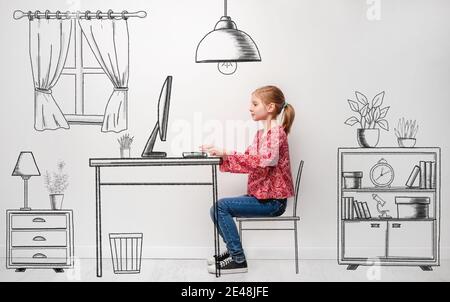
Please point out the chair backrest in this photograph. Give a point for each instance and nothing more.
(297, 186)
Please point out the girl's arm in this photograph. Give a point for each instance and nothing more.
(251, 160)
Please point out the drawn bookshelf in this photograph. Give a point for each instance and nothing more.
(401, 222)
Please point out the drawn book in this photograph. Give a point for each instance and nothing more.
(413, 176)
(366, 210)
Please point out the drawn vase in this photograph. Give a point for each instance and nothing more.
(124, 152)
(406, 142)
(368, 138)
(56, 201)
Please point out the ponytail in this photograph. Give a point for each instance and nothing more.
(288, 118)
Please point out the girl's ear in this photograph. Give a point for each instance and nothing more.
(271, 108)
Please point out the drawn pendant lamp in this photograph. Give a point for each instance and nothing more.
(226, 45)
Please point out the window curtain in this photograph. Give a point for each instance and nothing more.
(109, 41)
(49, 45)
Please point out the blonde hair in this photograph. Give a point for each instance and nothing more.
(272, 94)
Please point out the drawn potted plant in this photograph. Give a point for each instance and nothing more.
(406, 133)
(57, 183)
(125, 145)
(371, 116)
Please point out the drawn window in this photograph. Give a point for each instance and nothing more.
(80, 57)
(84, 87)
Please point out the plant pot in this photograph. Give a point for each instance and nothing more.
(56, 201)
(406, 142)
(368, 138)
(125, 153)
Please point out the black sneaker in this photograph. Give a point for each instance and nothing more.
(229, 266)
(223, 256)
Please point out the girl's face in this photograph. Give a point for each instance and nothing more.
(258, 110)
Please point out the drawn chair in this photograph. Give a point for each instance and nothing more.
(294, 218)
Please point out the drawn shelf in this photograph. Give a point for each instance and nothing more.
(390, 189)
(389, 206)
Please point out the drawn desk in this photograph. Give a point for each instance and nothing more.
(99, 163)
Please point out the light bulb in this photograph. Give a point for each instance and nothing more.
(227, 68)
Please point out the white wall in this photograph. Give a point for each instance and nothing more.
(319, 52)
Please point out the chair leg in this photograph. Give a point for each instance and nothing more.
(296, 246)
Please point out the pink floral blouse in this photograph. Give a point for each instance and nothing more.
(267, 163)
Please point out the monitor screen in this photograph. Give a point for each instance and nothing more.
(164, 103)
(162, 121)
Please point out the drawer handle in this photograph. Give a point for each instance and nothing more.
(39, 256)
(38, 219)
(396, 225)
(39, 238)
(374, 225)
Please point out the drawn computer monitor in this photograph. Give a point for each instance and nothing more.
(161, 122)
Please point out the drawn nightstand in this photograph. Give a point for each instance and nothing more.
(389, 206)
(39, 239)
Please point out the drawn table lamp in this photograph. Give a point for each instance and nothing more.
(26, 167)
(226, 45)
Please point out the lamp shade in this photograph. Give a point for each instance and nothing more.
(227, 44)
(26, 165)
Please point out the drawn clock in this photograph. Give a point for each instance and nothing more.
(382, 174)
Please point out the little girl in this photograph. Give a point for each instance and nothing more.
(266, 161)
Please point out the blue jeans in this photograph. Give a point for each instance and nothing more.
(242, 206)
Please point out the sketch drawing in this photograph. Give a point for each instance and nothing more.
(110, 163)
(370, 115)
(126, 252)
(26, 167)
(226, 45)
(404, 182)
(161, 122)
(125, 142)
(39, 239)
(406, 133)
(56, 183)
(106, 33)
(151, 158)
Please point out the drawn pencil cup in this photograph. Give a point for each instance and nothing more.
(126, 252)
(125, 142)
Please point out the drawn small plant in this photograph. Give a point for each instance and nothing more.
(406, 128)
(370, 113)
(57, 182)
(125, 141)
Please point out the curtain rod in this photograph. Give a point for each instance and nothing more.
(18, 14)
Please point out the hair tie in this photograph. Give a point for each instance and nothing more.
(285, 105)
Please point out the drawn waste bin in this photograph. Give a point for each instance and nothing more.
(126, 252)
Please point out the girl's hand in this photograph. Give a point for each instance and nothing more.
(212, 150)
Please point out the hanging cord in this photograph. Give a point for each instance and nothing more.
(225, 8)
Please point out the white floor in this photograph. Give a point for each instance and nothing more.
(170, 270)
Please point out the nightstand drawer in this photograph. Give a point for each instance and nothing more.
(56, 221)
(38, 256)
(38, 238)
